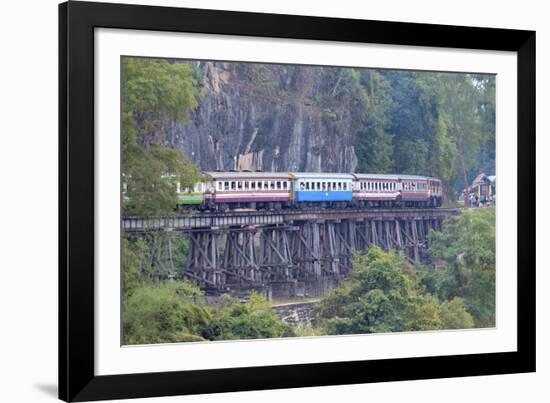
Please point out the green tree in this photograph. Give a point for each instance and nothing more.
(131, 273)
(374, 145)
(454, 315)
(464, 263)
(252, 320)
(383, 294)
(153, 93)
(164, 313)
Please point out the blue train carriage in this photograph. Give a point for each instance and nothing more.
(330, 189)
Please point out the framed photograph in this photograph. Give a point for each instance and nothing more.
(258, 201)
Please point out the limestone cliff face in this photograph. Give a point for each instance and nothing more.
(270, 118)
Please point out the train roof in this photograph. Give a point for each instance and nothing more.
(394, 177)
(320, 175)
(219, 175)
(247, 175)
(413, 177)
(376, 176)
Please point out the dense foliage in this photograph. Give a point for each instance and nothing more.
(384, 294)
(158, 309)
(253, 320)
(463, 256)
(153, 93)
(438, 124)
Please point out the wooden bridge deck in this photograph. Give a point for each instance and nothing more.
(217, 220)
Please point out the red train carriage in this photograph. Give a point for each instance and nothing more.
(376, 190)
(414, 190)
(248, 190)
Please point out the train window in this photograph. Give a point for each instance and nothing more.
(239, 185)
(226, 185)
(284, 184)
(253, 185)
(233, 185)
(246, 185)
(278, 184)
(220, 185)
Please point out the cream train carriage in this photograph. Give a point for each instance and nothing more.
(278, 190)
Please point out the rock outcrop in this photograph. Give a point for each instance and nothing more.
(272, 118)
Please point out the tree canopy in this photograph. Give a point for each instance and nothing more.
(427, 123)
(154, 92)
(384, 294)
(463, 263)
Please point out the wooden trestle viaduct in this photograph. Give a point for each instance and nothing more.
(292, 252)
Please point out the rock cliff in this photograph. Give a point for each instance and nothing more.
(272, 118)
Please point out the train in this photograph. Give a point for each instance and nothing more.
(220, 191)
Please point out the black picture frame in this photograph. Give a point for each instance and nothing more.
(77, 21)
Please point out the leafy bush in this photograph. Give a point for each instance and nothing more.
(454, 315)
(383, 294)
(164, 313)
(464, 263)
(252, 320)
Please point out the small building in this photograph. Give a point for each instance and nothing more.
(482, 191)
